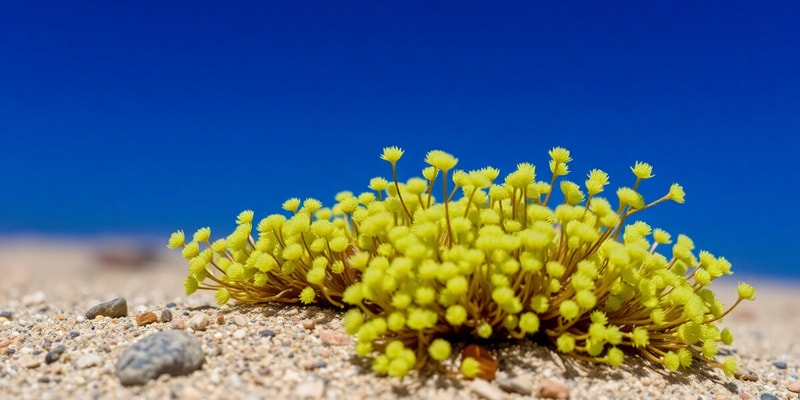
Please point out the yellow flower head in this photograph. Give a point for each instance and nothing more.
(746, 291)
(642, 170)
(392, 154)
(441, 160)
(559, 155)
(176, 239)
(676, 193)
(244, 217)
(202, 235)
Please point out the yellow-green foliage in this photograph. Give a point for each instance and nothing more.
(489, 260)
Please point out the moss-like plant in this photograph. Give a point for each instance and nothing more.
(489, 260)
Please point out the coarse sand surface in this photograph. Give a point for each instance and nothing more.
(293, 352)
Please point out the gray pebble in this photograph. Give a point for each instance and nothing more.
(768, 396)
(779, 364)
(171, 352)
(115, 309)
(53, 355)
(519, 384)
(73, 334)
(6, 314)
(171, 305)
(267, 333)
(166, 316)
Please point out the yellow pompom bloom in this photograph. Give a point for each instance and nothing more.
(676, 193)
(642, 170)
(316, 276)
(729, 366)
(245, 217)
(353, 320)
(529, 323)
(484, 330)
(746, 291)
(565, 343)
(190, 284)
(378, 184)
(640, 337)
(568, 309)
(291, 204)
(307, 295)
(392, 154)
(559, 155)
(202, 235)
(176, 239)
(441, 160)
(615, 357)
(439, 349)
(671, 361)
(470, 367)
(456, 314)
(190, 250)
(222, 296)
(726, 336)
(661, 236)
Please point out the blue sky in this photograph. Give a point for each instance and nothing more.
(145, 117)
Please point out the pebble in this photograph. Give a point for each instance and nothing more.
(88, 360)
(551, 389)
(54, 354)
(33, 299)
(267, 333)
(199, 322)
(309, 324)
(170, 352)
(519, 384)
(240, 334)
(179, 323)
(6, 314)
(333, 338)
(30, 361)
(171, 305)
(166, 316)
(486, 390)
(309, 390)
(779, 364)
(146, 318)
(794, 387)
(768, 396)
(116, 308)
(73, 334)
(240, 320)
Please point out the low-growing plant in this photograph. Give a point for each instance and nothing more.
(487, 260)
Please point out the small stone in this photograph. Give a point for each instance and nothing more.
(240, 333)
(794, 387)
(199, 322)
(146, 318)
(6, 314)
(220, 319)
(43, 379)
(88, 360)
(54, 354)
(179, 323)
(267, 333)
(33, 299)
(310, 390)
(116, 308)
(768, 396)
(309, 324)
(486, 390)
(30, 361)
(551, 389)
(519, 384)
(171, 352)
(779, 364)
(333, 338)
(240, 320)
(166, 316)
(321, 364)
(171, 305)
(73, 334)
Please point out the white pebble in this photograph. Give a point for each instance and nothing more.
(80, 318)
(88, 360)
(240, 334)
(310, 390)
(486, 390)
(199, 322)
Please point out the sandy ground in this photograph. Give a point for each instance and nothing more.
(48, 285)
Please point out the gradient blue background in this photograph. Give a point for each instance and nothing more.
(139, 118)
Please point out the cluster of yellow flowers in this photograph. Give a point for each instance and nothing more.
(490, 260)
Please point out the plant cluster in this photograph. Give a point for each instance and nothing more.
(490, 260)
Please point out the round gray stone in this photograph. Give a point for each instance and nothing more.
(116, 308)
(171, 352)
